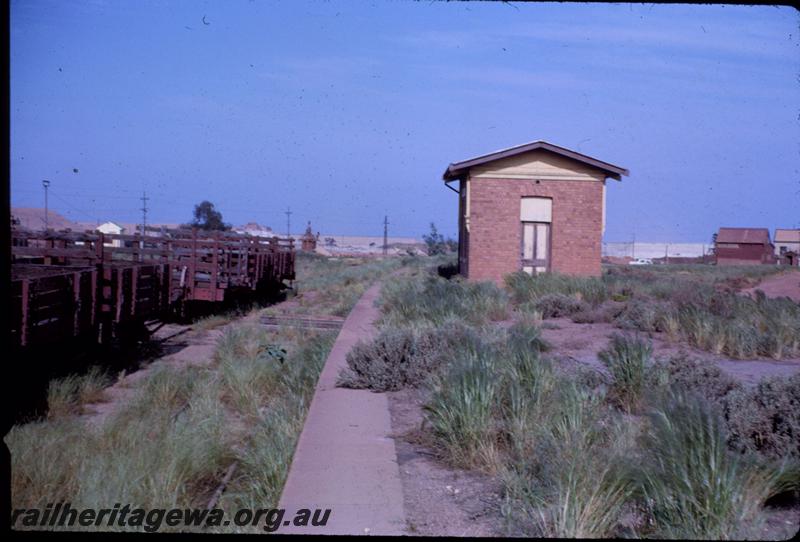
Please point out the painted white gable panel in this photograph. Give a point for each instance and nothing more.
(538, 164)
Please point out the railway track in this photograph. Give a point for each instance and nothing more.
(304, 322)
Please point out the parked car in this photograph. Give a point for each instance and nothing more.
(641, 261)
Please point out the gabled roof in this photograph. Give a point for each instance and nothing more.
(743, 235)
(112, 223)
(787, 236)
(458, 170)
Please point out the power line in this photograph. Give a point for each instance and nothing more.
(79, 211)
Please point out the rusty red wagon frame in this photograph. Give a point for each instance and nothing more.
(67, 284)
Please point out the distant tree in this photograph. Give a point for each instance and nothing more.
(206, 217)
(437, 244)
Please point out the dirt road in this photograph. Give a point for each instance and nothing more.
(785, 284)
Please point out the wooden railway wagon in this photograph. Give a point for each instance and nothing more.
(205, 267)
(70, 284)
(52, 303)
(202, 265)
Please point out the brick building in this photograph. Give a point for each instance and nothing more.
(535, 207)
(743, 246)
(787, 246)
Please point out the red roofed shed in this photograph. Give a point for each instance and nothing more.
(744, 246)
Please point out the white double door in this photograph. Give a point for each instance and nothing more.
(535, 247)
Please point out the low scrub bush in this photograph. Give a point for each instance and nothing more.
(557, 305)
(693, 485)
(763, 420)
(766, 419)
(396, 358)
(643, 315)
(606, 312)
(406, 356)
(703, 378)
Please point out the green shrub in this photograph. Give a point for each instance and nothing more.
(628, 360)
(740, 327)
(527, 288)
(573, 484)
(766, 418)
(525, 335)
(693, 485)
(527, 384)
(459, 411)
(434, 299)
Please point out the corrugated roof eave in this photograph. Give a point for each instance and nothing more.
(458, 170)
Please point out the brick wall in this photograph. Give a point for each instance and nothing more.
(496, 233)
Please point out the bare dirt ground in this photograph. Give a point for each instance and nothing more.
(579, 343)
(785, 284)
(439, 500)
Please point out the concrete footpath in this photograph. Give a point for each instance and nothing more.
(345, 459)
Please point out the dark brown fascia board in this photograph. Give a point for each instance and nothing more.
(458, 170)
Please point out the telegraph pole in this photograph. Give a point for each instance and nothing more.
(144, 221)
(385, 235)
(288, 222)
(144, 199)
(46, 184)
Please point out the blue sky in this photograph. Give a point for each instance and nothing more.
(346, 111)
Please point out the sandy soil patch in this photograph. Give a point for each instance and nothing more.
(439, 500)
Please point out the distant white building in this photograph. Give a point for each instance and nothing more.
(786, 242)
(640, 249)
(111, 228)
(255, 229)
